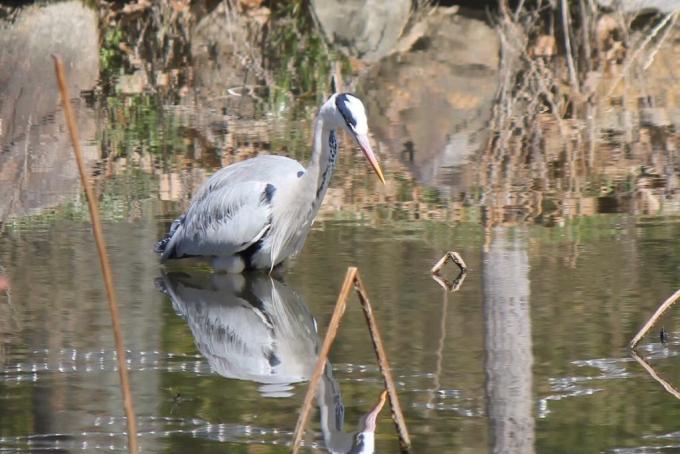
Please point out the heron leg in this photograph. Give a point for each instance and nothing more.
(231, 265)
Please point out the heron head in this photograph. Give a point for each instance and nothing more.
(352, 115)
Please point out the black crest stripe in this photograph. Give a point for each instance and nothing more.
(341, 102)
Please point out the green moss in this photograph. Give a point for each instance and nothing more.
(110, 57)
(298, 56)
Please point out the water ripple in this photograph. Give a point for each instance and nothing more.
(68, 361)
(584, 385)
(112, 437)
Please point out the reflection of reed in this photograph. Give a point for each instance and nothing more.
(5, 307)
(650, 370)
(550, 181)
(8, 313)
(439, 353)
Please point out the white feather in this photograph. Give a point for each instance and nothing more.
(359, 113)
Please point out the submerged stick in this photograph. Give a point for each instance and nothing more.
(654, 318)
(352, 279)
(103, 257)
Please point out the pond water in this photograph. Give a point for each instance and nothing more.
(567, 258)
(529, 355)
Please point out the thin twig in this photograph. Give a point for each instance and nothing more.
(451, 256)
(654, 318)
(573, 79)
(585, 31)
(644, 43)
(652, 54)
(103, 257)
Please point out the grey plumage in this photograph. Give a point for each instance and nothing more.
(258, 212)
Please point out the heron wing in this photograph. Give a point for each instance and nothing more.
(266, 168)
(232, 209)
(224, 219)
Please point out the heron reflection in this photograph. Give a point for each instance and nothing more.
(256, 328)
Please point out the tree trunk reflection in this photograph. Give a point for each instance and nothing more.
(507, 337)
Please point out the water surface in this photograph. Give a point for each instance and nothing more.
(570, 246)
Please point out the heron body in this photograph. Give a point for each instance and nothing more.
(256, 213)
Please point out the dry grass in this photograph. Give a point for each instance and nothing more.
(562, 65)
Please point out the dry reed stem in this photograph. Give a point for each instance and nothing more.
(352, 279)
(458, 281)
(662, 40)
(626, 67)
(103, 257)
(654, 318)
(650, 370)
(383, 363)
(448, 257)
(566, 24)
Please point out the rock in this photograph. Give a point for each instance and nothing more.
(368, 29)
(37, 168)
(431, 105)
(225, 58)
(132, 84)
(664, 6)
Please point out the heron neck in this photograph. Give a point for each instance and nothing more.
(324, 156)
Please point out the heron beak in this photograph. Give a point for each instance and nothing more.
(362, 140)
(372, 415)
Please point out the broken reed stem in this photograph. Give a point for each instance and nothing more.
(566, 25)
(650, 370)
(436, 269)
(338, 312)
(449, 256)
(655, 31)
(654, 318)
(383, 363)
(352, 279)
(103, 257)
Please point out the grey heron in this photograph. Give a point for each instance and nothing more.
(256, 213)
